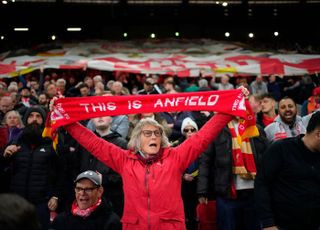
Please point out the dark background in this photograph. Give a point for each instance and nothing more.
(297, 23)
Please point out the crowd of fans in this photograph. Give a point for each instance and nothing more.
(47, 178)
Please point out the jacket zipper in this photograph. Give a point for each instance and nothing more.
(30, 164)
(148, 195)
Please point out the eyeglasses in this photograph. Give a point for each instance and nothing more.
(187, 130)
(86, 190)
(148, 133)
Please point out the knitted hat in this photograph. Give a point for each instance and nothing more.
(37, 109)
(188, 122)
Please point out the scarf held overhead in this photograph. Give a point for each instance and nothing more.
(69, 110)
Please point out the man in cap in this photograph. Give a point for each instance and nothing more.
(36, 168)
(89, 210)
(148, 87)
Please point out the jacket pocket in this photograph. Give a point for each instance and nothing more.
(171, 223)
(129, 220)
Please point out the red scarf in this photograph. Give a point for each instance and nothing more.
(69, 110)
(267, 120)
(243, 163)
(76, 211)
(151, 158)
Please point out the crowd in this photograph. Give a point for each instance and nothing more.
(152, 170)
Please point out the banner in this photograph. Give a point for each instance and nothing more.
(69, 110)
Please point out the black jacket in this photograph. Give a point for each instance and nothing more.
(103, 218)
(36, 172)
(111, 181)
(287, 187)
(215, 169)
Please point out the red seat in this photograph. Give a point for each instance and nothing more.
(206, 214)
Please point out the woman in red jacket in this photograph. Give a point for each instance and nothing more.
(151, 170)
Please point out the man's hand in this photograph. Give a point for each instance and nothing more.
(53, 203)
(10, 150)
(203, 200)
(188, 177)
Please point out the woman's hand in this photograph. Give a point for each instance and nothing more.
(244, 90)
(53, 100)
(188, 177)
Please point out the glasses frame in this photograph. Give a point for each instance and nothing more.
(148, 133)
(85, 190)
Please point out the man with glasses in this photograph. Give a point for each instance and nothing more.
(89, 210)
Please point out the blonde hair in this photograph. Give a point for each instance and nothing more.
(20, 125)
(135, 140)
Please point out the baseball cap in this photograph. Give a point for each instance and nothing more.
(95, 177)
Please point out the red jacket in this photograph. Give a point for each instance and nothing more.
(152, 192)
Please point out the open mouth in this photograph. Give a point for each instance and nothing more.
(153, 145)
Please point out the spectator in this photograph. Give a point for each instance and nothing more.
(312, 103)
(174, 121)
(189, 178)
(203, 85)
(43, 100)
(274, 87)
(305, 89)
(26, 99)
(14, 123)
(223, 85)
(192, 87)
(148, 87)
(3, 88)
(117, 89)
(6, 104)
(99, 88)
(268, 111)
(227, 169)
(287, 188)
(151, 171)
(258, 86)
(89, 210)
(84, 90)
(255, 103)
(51, 90)
(111, 182)
(35, 167)
(169, 86)
(287, 123)
(89, 81)
(156, 116)
(61, 85)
